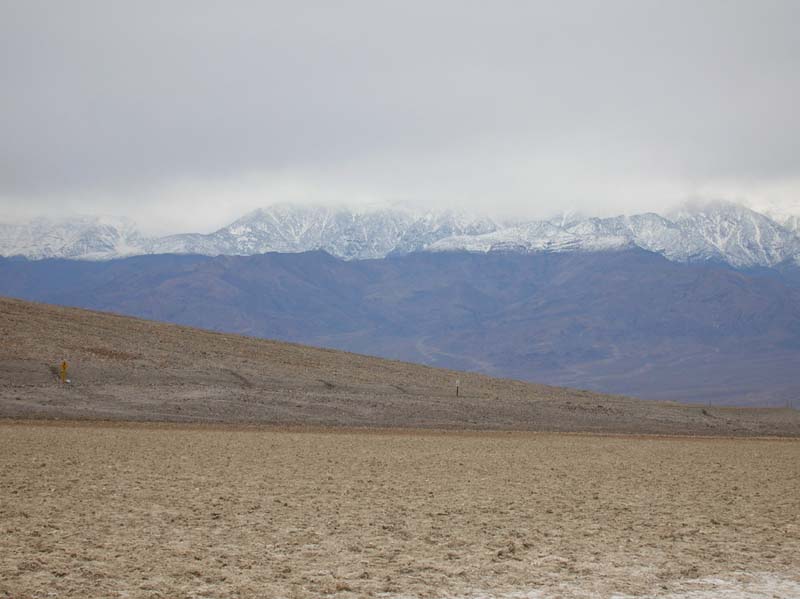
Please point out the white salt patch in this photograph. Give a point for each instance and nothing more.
(738, 585)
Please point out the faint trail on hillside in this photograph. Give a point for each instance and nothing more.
(242, 380)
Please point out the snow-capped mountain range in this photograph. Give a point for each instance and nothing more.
(718, 231)
(347, 234)
(78, 238)
(715, 231)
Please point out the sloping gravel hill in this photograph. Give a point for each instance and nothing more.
(124, 368)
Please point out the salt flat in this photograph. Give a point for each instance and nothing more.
(127, 510)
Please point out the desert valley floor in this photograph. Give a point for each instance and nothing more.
(102, 510)
(181, 463)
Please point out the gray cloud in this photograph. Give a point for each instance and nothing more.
(210, 108)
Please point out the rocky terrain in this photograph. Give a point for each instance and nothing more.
(128, 369)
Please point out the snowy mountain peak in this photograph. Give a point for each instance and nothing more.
(345, 233)
(717, 231)
(737, 235)
(85, 238)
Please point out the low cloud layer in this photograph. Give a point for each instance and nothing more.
(185, 114)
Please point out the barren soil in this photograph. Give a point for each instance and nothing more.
(128, 369)
(277, 470)
(190, 511)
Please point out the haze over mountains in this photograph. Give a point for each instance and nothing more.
(718, 231)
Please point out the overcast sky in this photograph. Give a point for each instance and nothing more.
(184, 115)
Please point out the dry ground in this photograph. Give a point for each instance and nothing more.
(179, 511)
(129, 369)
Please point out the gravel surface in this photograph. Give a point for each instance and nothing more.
(185, 511)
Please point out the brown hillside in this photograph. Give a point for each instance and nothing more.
(128, 369)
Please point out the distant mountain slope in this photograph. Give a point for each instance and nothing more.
(85, 238)
(342, 233)
(625, 321)
(283, 228)
(717, 231)
(128, 369)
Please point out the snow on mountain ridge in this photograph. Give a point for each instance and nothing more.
(716, 231)
(792, 223)
(84, 238)
(341, 232)
(739, 235)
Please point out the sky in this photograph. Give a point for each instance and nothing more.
(185, 115)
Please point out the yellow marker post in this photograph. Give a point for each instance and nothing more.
(64, 371)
